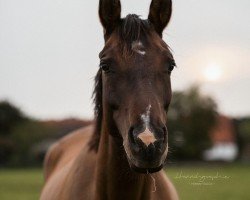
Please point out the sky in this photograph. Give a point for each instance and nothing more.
(49, 53)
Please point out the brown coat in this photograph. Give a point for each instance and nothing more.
(73, 172)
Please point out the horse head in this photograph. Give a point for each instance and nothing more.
(133, 88)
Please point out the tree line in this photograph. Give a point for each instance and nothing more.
(191, 117)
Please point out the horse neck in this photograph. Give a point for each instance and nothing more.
(115, 179)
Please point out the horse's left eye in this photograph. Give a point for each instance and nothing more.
(171, 66)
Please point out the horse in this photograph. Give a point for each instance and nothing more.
(121, 155)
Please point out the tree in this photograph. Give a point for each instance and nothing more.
(243, 133)
(10, 116)
(191, 117)
(24, 136)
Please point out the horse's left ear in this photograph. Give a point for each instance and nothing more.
(160, 14)
(110, 14)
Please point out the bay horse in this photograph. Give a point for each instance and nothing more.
(121, 155)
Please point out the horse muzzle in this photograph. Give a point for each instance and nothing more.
(148, 149)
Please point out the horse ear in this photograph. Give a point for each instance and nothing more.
(160, 14)
(110, 14)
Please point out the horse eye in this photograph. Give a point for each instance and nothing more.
(172, 65)
(105, 67)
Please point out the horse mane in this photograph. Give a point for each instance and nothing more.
(97, 100)
(130, 29)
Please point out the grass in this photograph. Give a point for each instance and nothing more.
(20, 184)
(212, 183)
(192, 183)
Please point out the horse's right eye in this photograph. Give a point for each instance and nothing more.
(105, 67)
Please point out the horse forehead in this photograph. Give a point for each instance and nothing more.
(138, 54)
(138, 47)
(124, 48)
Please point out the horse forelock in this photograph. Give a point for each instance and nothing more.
(131, 29)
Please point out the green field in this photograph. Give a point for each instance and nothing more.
(20, 184)
(192, 183)
(212, 183)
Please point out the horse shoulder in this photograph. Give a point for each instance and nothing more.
(65, 150)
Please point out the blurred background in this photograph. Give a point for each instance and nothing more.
(48, 60)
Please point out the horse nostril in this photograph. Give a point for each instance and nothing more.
(131, 135)
(165, 131)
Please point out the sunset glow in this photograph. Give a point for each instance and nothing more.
(212, 72)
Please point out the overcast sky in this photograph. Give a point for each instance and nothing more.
(49, 52)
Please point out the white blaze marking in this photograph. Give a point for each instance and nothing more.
(138, 47)
(146, 117)
(141, 52)
(147, 137)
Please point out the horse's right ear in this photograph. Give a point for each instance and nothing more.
(110, 14)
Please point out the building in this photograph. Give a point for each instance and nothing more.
(224, 141)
